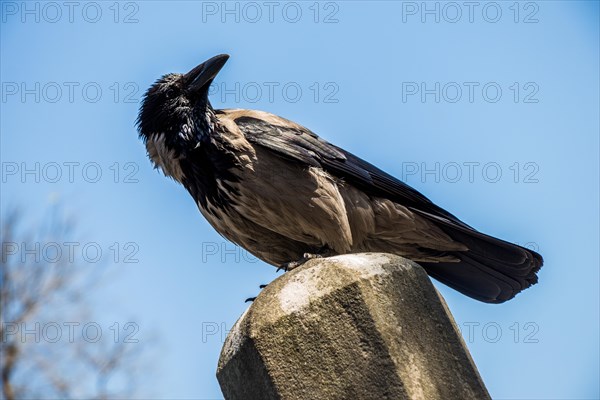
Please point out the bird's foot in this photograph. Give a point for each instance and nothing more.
(254, 298)
(288, 266)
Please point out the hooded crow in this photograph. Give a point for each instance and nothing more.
(284, 194)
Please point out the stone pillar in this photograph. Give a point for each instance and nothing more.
(359, 326)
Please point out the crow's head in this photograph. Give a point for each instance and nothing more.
(176, 115)
(176, 110)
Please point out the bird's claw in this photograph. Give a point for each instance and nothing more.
(288, 266)
(254, 298)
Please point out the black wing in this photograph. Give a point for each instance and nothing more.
(493, 270)
(300, 144)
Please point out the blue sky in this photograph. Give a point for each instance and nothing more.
(492, 112)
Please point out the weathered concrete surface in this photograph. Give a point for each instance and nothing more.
(361, 326)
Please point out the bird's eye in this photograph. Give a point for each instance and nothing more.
(170, 93)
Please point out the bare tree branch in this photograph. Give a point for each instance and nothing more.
(34, 291)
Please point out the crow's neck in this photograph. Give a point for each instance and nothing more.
(209, 168)
(205, 122)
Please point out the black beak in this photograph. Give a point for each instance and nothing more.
(204, 73)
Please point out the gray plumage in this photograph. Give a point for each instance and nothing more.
(278, 190)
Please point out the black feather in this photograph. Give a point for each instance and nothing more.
(492, 270)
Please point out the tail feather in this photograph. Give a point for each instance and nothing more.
(492, 270)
